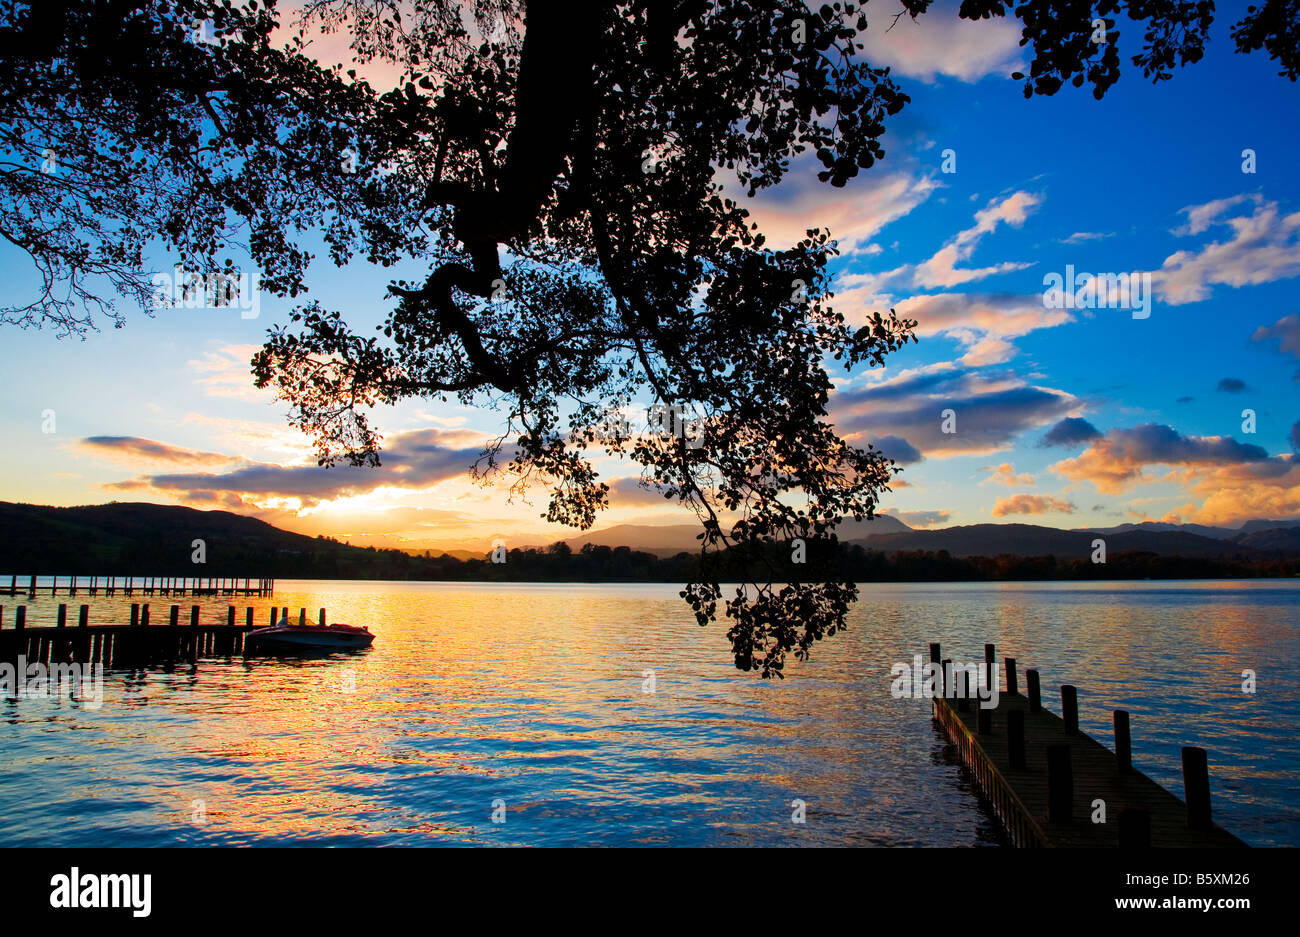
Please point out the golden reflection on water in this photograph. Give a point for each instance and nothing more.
(535, 694)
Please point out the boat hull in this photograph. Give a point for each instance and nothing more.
(310, 638)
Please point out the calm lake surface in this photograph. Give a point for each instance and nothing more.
(534, 696)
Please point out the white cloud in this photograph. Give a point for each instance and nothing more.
(938, 43)
(853, 214)
(941, 271)
(1079, 237)
(1264, 246)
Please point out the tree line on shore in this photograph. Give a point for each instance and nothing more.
(330, 559)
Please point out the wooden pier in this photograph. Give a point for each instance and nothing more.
(142, 642)
(1044, 777)
(139, 585)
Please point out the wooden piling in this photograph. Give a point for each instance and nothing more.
(1013, 684)
(1123, 743)
(1070, 708)
(1196, 788)
(1035, 699)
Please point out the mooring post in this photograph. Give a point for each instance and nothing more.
(983, 717)
(83, 617)
(322, 618)
(1060, 784)
(194, 616)
(20, 618)
(1070, 708)
(144, 615)
(990, 669)
(230, 616)
(31, 592)
(1013, 684)
(949, 687)
(1196, 788)
(272, 618)
(62, 620)
(1016, 738)
(1123, 743)
(302, 618)
(934, 666)
(135, 614)
(1035, 700)
(963, 700)
(248, 619)
(175, 619)
(1134, 828)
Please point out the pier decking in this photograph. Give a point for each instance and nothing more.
(139, 585)
(142, 642)
(1043, 776)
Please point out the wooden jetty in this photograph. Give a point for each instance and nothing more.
(139, 585)
(142, 642)
(1043, 776)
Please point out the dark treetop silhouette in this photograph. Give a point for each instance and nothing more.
(563, 181)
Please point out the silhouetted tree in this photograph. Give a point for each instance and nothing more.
(569, 182)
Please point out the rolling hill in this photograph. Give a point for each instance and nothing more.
(140, 539)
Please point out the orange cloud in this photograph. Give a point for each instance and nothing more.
(1005, 474)
(1031, 504)
(1115, 463)
(134, 449)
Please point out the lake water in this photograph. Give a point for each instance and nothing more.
(530, 701)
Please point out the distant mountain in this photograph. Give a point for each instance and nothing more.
(1252, 526)
(1284, 539)
(132, 538)
(1033, 540)
(1203, 530)
(669, 540)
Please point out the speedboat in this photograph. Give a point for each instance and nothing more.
(283, 637)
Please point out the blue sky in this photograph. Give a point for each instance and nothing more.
(1148, 180)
